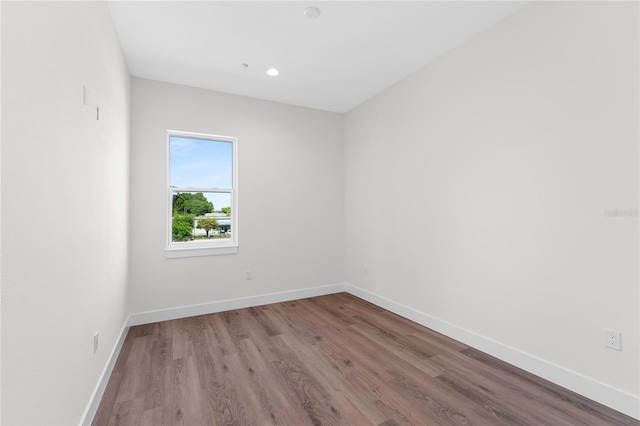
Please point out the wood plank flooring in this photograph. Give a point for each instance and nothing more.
(330, 360)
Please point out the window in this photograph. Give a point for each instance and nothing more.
(202, 195)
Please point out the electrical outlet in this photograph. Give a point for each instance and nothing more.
(249, 275)
(613, 339)
(365, 270)
(96, 338)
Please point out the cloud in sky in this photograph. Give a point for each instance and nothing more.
(201, 163)
(198, 163)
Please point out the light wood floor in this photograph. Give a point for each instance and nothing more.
(331, 360)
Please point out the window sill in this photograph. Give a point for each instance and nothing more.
(196, 250)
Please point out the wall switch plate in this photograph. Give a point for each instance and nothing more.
(96, 338)
(249, 275)
(613, 339)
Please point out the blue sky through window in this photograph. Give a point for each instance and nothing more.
(200, 163)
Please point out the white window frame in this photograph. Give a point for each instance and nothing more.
(209, 247)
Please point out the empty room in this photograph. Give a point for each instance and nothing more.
(320, 213)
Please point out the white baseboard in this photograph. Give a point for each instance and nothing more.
(98, 392)
(189, 311)
(611, 397)
(600, 392)
(227, 305)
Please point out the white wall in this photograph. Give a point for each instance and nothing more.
(291, 208)
(65, 206)
(474, 191)
(476, 188)
(0, 217)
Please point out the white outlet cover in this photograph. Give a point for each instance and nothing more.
(613, 339)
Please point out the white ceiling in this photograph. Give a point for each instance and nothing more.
(354, 50)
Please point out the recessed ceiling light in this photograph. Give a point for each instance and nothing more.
(273, 72)
(311, 12)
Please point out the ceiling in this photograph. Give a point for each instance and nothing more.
(352, 51)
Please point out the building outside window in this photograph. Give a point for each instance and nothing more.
(201, 195)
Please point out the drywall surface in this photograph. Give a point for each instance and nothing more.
(0, 217)
(65, 206)
(291, 197)
(497, 188)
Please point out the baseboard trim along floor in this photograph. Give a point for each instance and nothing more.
(98, 392)
(599, 392)
(604, 394)
(227, 305)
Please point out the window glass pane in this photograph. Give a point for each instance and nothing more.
(200, 216)
(200, 163)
